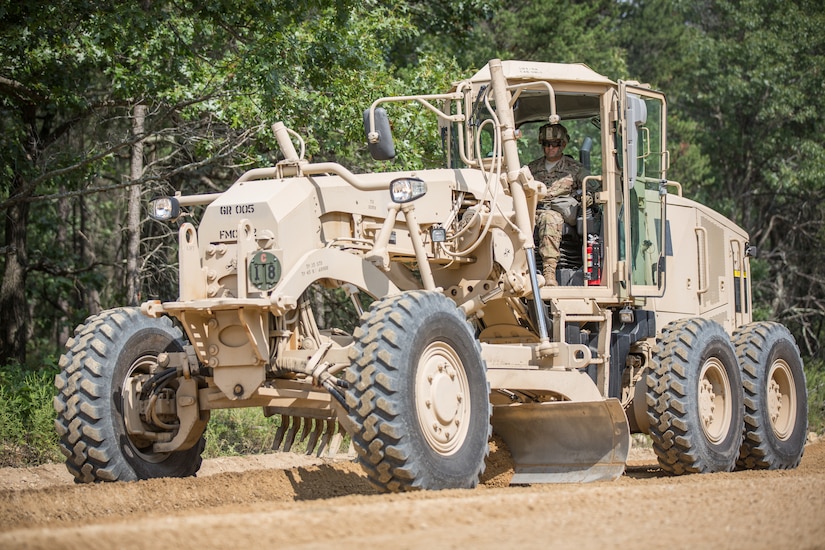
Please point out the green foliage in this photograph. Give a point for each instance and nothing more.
(215, 75)
(550, 30)
(27, 435)
(234, 432)
(815, 378)
(744, 78)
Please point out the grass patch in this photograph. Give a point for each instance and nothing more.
(234, 432)
(815, 379)
(27, 436)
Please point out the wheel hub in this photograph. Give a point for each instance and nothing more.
(442, 398)
(145, 420)
(707, 404)
(446, 395)
(781, 399)
(714, 400)
(774, 401)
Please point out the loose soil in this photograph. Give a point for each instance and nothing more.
(295, 501)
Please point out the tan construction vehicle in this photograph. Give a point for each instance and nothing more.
(649, 329)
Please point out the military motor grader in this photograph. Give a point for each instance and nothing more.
(649, 329)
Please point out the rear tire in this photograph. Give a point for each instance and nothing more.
(418, 395)
(694, 398)
(101, 357)
(776, 399)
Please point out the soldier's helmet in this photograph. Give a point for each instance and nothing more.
(553, 131)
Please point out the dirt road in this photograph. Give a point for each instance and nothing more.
(293, 501)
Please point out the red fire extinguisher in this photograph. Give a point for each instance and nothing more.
(593, 264)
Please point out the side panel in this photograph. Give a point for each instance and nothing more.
(284, 215)
(715, 264)
(707, 272)
(682, 271)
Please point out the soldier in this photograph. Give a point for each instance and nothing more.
(561, 174)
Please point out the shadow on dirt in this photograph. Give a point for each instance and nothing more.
(647, 471)
(327, 482)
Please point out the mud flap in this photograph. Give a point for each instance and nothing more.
(564, 441)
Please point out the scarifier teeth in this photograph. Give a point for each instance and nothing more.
(323, 437)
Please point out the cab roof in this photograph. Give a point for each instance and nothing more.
(536, 70)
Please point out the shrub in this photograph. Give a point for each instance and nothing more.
(815, 374)
(233, 432)
(27, 435)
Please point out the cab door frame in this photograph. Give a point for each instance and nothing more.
(644, 162)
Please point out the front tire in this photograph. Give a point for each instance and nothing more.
(419, 395)
(103, 355)
(776, 400)
(695, 398)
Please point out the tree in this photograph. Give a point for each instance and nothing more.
(71, 73)
(555, 31)
(749, 74)
(212, 76)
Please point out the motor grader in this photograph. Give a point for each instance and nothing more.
(649, 329)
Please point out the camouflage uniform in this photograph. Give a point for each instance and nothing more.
(562, 180)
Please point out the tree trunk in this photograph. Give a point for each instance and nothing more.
(133, 227)
(91, 294)
(61, 326)
(15, 311)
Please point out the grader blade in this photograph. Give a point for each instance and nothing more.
(564, 441)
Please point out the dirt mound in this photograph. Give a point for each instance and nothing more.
(305, 502)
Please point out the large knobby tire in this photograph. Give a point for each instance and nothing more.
(694, 398)
(419, 393)
(101, 357)
(776, 399)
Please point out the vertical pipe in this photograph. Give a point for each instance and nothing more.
(512, 166)
(424, 268)
(284, 142)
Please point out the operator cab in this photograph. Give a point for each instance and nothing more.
(580, 113)
(586, 226)
(587, 105)
(581, 243)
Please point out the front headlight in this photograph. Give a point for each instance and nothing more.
(407, 189)
(164, 209)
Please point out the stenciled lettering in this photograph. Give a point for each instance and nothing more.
(237, 209)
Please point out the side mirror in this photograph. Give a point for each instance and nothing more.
(379, 138)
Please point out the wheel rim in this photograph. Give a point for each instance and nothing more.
(442, 398)
(715, 400)
(143, 366)
(781, 399)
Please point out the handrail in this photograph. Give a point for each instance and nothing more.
(675, 184)
(195, 200)
(702, 250)
(312, 169)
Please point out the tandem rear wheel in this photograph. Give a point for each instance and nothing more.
(695, 398)
(776, 399)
